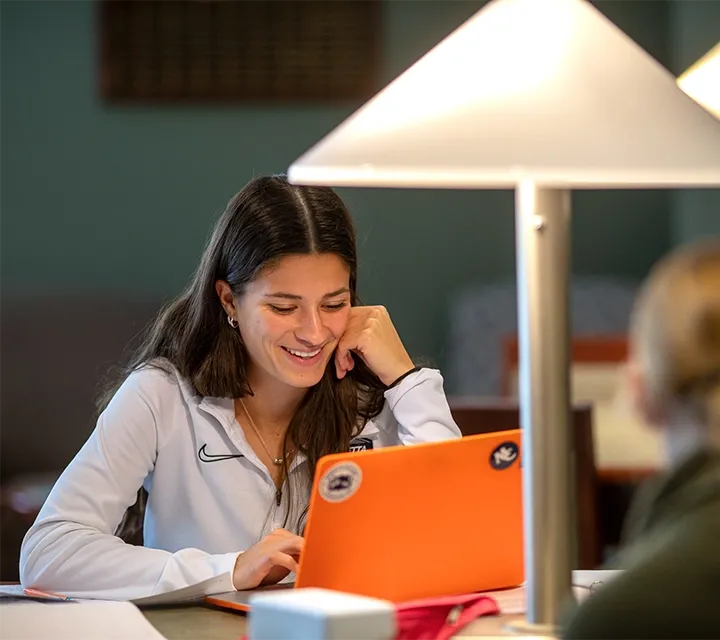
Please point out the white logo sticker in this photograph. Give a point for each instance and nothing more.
(503, 456)
(340, 482)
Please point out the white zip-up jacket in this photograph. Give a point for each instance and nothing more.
(210, 497)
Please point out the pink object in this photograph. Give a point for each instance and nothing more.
(45, 595)
(441, 618)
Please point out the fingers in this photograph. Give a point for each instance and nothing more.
(339, 369)
(369, 329)
(287, 542)
(270, 559)
(279, 559)
(342, 355)
(343, 363)
(343, 358)
(292, 546)
(275, 568)
(356, 336)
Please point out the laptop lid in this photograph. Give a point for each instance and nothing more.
(410, 522)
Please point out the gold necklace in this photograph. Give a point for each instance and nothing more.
(276, 461)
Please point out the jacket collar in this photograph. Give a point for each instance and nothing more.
(223, 409)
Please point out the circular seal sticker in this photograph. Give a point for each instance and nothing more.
(340, 482)
(503, 456)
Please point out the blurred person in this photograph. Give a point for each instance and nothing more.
(262, 366)
(671, 584)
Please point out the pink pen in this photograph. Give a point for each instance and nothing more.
(36, 593)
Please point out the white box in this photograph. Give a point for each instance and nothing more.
(319, 614)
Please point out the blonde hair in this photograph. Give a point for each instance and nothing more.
(675, 335)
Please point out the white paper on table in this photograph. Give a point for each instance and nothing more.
(192, 593)
(76, 620)
(187, 594)
(12, 591)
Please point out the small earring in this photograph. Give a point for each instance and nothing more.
(232, 322)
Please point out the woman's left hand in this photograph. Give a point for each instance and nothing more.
(371, 334)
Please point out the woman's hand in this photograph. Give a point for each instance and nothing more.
(268, 561)
(371, 335)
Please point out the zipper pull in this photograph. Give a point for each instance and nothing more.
(454, 615)
(278, 496)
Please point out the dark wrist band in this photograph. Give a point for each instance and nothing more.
(403, 376)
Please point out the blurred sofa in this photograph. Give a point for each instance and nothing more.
(481, 317)
(56, 354)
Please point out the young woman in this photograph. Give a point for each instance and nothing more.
(671, 586)
(262, 366)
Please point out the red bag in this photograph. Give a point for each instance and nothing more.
(441, 618)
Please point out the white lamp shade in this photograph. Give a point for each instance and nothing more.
(542, 90)
(702, 81)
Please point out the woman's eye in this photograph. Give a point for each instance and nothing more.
(281, 310)
(335, 307)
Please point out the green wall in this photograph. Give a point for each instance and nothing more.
(695, 30)
(119, 200)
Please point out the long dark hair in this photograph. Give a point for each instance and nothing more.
(268, 219)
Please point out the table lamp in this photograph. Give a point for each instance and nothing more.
(702, 81)
(542, 97)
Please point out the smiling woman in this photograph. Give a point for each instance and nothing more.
(292, 316)
(262, 366)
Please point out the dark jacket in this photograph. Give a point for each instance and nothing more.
(671, 584)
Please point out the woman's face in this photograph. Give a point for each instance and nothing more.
(292, 316)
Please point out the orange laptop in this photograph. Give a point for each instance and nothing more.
(403, 523)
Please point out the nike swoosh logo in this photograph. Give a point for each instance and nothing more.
(204, 456)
